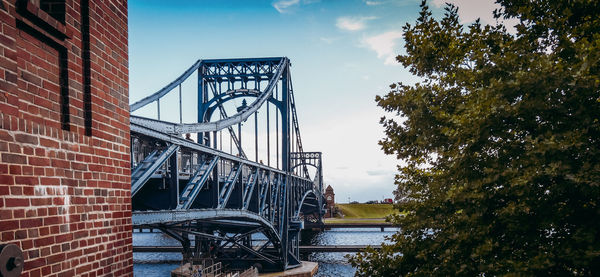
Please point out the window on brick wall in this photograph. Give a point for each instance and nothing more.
(54, 8)
(43, 23)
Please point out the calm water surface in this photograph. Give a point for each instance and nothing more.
(330, 264)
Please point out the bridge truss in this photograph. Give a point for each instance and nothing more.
(223, 205)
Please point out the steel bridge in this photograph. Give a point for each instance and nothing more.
(196, 182)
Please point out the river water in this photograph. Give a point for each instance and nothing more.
(330, 264)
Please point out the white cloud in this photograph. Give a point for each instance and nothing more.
(282, 6)
(381, 172)
(384, 45)
(374, 3)
(329, 40)
(469, 11)
(394, 2)
(353, 23)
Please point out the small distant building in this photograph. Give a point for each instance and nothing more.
(387, 201)
(329, 201)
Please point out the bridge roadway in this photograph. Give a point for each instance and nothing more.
(327, 226)
(303, 248)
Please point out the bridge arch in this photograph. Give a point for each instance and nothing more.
(304, 203)
(173, 216)
(235, 94)
(305, 163)
(225, 217)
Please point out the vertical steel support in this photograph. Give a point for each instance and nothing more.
(277, 127)
(257, 87)
(268, 138)
(240, 139)
(173, 181)
(158, 107)
(214, 186)
(257, 189)
(256, 136)
(239, 183)
(320, 174)
(292, 149)
(283, 217)
(180, 108)
(285, 238)
(285, 121)
(285, 160)
(202, 99)
(214, 140)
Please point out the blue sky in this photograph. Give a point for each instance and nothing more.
(342, 54)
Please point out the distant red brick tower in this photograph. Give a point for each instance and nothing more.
(330, 201)
(65, 188)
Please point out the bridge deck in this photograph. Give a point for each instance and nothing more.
(349, 225)
(303, 248)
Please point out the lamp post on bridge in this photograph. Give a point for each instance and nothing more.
(239, 109)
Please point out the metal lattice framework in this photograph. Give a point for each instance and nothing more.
(223, 205)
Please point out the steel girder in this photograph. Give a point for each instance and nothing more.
(143, 172)
(162, 92)
(314, 159)
(246, 192)
(196, 183)
(235, 225)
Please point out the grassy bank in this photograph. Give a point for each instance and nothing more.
(353, 220)
(363, 211)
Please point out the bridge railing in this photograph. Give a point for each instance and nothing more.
(188, 159)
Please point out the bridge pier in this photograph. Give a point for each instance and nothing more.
(305, 269)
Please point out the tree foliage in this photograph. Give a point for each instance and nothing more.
(501, 141)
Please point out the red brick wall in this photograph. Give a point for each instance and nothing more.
(64, 137)
(329, 201)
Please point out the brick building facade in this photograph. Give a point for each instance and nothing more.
(64, 136)
(329, 202)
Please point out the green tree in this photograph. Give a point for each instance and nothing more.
(501, 141)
